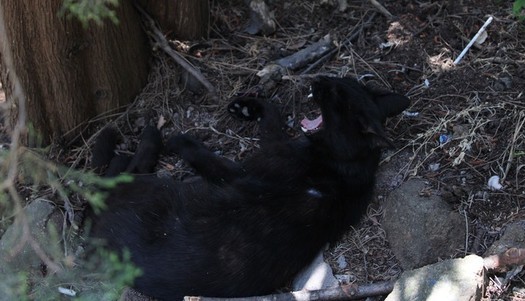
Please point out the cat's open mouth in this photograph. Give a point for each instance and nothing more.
(311, 125)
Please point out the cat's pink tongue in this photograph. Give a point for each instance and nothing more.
(308, 125)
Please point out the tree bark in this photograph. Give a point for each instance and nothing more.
(69, 73)
(182, 19)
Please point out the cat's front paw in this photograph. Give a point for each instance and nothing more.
(247, 108)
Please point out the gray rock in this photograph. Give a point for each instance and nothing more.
(421, 229)
(460, 279)
(38, 213)
(17, 257)
(514, 237)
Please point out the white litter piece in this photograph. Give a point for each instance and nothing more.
(386, 45)
(494, 183)
(410, 114)
(474, 39)
(482, 38)
(67, 291)
(434, 167)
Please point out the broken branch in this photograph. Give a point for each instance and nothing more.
(343, 292)
(306, 55)
(502, 261)
(381, 9)
(161, 41)
(297, 60)
(496, 263)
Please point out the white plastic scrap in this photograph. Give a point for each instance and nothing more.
(366, 75)
(494, 183)
(67, 291)
(388, 44)
(434, 167)
(474, 39)
(410, 114)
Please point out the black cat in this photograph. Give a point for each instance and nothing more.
(248, 228)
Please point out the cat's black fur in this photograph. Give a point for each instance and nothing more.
(247, 228)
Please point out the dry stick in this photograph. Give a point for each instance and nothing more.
(323, 49)
(502, 261)
(298, 59)
(496, 263)
(381, 9)
(303, 56)
(159, 38)
(350, 39)
(517, 132)
(498, 60)
(343, 292)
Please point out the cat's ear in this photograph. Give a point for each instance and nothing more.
(391, 104)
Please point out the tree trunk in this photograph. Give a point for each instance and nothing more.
(182, 19)
(69, 73)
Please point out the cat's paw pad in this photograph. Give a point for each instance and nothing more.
(246, 108)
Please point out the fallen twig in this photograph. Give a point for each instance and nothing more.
(343, 292)
(350, 39)
(163, 44)
(322, 48)
(515, 137)
(496, 263)
(499, 60)
(381, 9)
(322, 51)
(306, 55)
(502, 261)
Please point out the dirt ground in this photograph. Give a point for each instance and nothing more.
(465, 123)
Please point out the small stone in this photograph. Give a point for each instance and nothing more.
(341, 262)
(38, 213)
(421, 227)
(513, 237)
